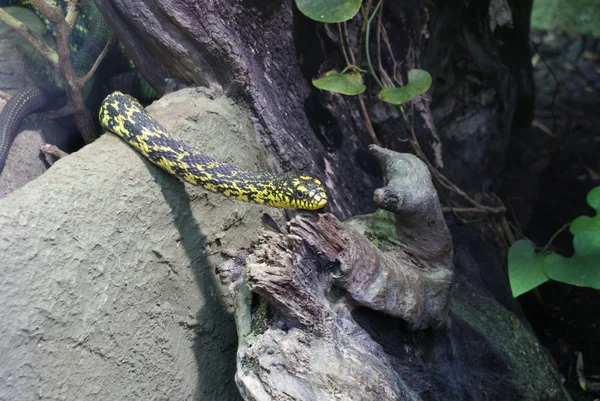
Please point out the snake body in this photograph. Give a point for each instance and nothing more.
(124, 116)
(45, 97)
(88, 39)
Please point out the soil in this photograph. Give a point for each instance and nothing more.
(566, 142)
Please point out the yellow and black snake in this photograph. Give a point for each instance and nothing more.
(125, 116)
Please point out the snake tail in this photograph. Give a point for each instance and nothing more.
(18, 107)
(124, 116)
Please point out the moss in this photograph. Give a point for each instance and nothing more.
(260, 317)
(508, 337)
(378, 227)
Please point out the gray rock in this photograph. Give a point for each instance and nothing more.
(108, 289)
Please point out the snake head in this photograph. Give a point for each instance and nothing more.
(306, 192)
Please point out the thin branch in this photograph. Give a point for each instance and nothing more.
(62, 112)
(508, 233)
(46, 51)
(384, 75)
(447, 209)
(397, 77)
(92, 70)
(343, 45)
(347, 39)
(365, 114)
(66, 70)
(443, 180)
(53, 150)
(4, 95)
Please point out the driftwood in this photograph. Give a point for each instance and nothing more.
(336, 313)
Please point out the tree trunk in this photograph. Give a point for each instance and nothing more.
(309, 327)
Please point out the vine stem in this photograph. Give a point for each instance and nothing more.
(560, 230)
(367, 38)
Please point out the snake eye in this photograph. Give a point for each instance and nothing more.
(299, 194)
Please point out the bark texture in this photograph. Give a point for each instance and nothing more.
(266, 52)
(338, 313)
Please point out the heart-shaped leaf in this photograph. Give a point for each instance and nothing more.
(583, 268)
(419, 82)
(329, 10)
(525, 268)
(346, 84)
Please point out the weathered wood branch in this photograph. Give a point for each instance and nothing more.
(336, 316)
(66, 69)
(46, 51)
(315, 276)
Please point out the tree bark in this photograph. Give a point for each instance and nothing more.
(309, 327)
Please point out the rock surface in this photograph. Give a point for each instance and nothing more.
(107, 263)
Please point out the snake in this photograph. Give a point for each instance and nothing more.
(89, 37)
(124, 116)
(51, 95)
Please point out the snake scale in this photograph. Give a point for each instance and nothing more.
(124, 116)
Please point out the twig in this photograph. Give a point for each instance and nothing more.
(92, 70)
(347, 56)
(62, 112)
(444, 181)
(66, 70)
(347, 39)
(53, 150)
(365, 113)
(396, 64)
(507, 231)
(343, 45)
(46, 51)
(5, 96)
(384, 76)
(447, 209)
(543, 128)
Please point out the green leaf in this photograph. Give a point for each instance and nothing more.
(347, 84)
(419, 82)
(525, 268)
(585, 223)
(583, 268)
(329, 10)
